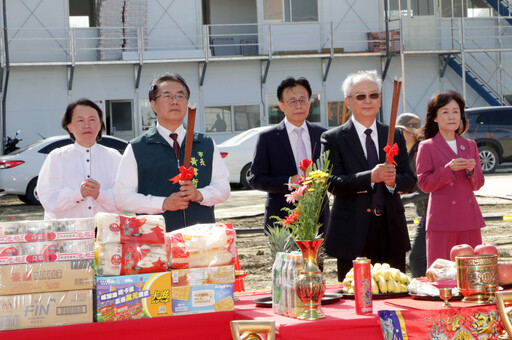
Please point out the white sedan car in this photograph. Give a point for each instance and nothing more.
(237, 153)
(20, 168)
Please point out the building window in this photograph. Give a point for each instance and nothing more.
(290, 10)
(246, 117)
(82, 13)
(337, 113)
(217, 118)
(418, 7)
(275, 115)
(468, 8)
(232, 118)
(147, 114)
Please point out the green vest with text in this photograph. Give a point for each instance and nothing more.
(157, 163)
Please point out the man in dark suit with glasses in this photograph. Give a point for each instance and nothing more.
(280, 149)
(367, 217)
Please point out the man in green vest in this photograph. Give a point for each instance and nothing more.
(150, 160)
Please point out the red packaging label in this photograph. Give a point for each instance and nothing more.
(363, 286)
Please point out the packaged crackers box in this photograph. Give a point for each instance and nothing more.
(133, 296)
(203, 276)
(45, 309)
(202, 299)
(46, 277)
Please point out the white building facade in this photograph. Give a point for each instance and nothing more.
(234, 53)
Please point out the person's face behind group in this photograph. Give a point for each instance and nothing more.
(364, 110)
(85, 125)
(448, 119)
(170, 106)
(295, 104)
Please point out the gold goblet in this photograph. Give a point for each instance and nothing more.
(490, 290)
(446, 295)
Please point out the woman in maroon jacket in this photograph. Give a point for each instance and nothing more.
(448, 167)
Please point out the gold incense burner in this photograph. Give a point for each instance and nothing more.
(476, 276)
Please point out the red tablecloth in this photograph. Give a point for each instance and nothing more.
(341, 322)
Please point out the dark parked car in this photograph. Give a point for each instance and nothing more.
(491, 129)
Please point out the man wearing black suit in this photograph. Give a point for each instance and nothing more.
(367, 217)
(280, 149)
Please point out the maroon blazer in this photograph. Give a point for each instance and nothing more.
(452, 205)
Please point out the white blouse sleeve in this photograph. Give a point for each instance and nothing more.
(53, 194)
(125, 189)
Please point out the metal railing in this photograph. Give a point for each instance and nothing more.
(199, 43)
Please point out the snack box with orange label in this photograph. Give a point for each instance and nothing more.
(133, 296)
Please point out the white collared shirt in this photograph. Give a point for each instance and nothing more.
(180, 131)
(360, 128)
(127, 182)
(64, 170)
(293, 137)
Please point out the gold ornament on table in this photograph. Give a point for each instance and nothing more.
(308, 197)
(477, 277)
(445, 294)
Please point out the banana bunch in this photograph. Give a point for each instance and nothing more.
(384, 280)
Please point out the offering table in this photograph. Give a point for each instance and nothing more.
(341, 322)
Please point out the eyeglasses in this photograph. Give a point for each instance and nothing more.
(169, 98)
(362, 96)
(293, 102)
(83, 122)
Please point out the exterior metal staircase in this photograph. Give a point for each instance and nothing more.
(502, 7)
(478, 84)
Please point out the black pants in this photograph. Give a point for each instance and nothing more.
(418, 254)
(377, 248)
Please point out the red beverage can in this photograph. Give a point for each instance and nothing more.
(363, 285)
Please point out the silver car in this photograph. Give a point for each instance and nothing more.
(238, 152)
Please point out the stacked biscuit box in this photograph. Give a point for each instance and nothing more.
(133, 256)
(202, 259)
(132, 281)
(46, 273)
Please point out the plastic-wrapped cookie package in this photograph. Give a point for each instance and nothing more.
(127, 245)
(201, 245)
(46, 241)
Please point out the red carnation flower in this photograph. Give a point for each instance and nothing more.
(304, 164)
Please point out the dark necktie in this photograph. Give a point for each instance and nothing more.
(175, 145)
(373, 160)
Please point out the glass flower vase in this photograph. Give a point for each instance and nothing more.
(310, 282)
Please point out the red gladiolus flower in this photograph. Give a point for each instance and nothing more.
(291, 218)
(304, 164)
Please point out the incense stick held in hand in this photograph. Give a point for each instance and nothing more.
(394, 108)
(190, 134)
(392, 149)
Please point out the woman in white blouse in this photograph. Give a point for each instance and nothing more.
(77, 180)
